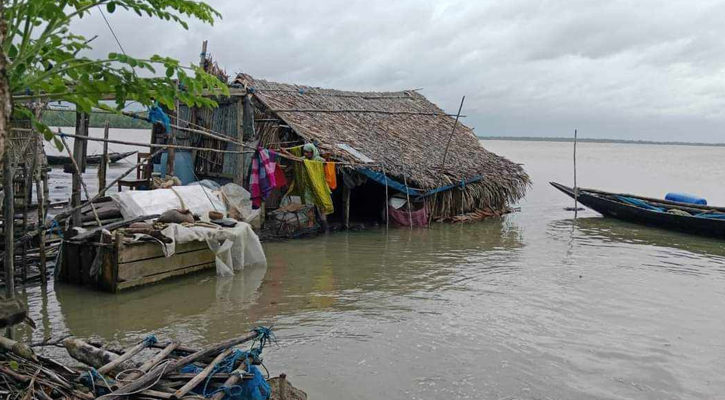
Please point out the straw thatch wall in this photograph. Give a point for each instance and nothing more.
(402, 131)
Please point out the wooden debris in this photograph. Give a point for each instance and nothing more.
(27, 377)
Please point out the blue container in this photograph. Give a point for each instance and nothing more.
(686, 198)
(183, 166)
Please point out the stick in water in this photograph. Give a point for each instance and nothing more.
(576, 189)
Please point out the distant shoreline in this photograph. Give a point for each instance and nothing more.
(588, 140)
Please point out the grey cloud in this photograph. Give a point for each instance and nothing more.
(641, 70)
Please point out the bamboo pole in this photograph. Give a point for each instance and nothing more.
(76, 215)
(231, 381)
(162, 146)
(160, 356)
(41, 242)
(9, 223)
(202, 375)
(102, 169)
(576, 189)
(79, 161)
(445, 153)
(282, 386)
(345, 207)
(123, 358)
(310, 110)
(387, 211)
(159, 371)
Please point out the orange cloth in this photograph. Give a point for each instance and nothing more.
(330, 175)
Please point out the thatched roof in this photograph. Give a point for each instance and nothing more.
(401, 130)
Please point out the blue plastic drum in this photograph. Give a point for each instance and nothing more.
(686, 198)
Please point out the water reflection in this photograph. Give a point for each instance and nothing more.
(673, 251)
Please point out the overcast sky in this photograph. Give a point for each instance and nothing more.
(613, 69)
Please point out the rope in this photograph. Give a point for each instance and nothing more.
(111, 29)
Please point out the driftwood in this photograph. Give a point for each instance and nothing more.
(160, 370)
(202, 375)
(153, 361)
(91, 355)
(12, 312)
(17, 348)
(27, 377)
(123, 358)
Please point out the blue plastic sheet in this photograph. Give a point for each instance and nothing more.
(385, 180)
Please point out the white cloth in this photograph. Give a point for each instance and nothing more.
(198, 199)
(234, 248)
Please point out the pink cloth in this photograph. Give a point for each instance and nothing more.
(402, 217)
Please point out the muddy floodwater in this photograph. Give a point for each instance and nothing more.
(534, 305)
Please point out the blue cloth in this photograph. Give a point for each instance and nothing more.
(640, 203)
(158, 116)
(256, 388)
(709, 215)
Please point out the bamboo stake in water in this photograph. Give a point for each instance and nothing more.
(576, 189)
(387, 212)
(103, 167)
(80, 179)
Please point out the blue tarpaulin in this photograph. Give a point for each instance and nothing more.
(462, 183)
(385, 180)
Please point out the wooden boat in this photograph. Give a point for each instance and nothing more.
(689, 218)
(93, 159)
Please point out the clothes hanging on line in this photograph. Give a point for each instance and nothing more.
(264, 176)
(309, 182)
(331, 175)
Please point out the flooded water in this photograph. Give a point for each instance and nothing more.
(60, 182)
(535, 305)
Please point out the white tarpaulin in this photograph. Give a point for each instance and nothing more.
(235, 247)
(138, 203)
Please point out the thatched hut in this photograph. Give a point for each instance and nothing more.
(399, 133)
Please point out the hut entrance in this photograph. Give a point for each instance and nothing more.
(367, 203)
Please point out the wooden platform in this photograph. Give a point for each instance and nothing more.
(126, 265)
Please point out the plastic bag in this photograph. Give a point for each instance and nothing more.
(238, 202)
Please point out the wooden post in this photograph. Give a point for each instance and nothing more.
(79, 155)
(102, 168)
(239, 177)
(387, 212)
(41, 220)
(282, 387)
(345, 207)
(171, 152)
(576, 189)
(202, 56)
(9, 223)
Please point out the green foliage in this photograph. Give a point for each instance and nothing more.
(45, 61)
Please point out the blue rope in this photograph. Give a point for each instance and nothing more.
(150, 340)
(225, 366)
(55, 227)
(264, 335)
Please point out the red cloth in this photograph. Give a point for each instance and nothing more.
(402, 217)
(279, 177)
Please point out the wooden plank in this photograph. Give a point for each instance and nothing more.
(106, 280)
(160, 277)
(86, 259)
(161, 265)
(138, 251)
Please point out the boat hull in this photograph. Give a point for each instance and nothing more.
(598, 201)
